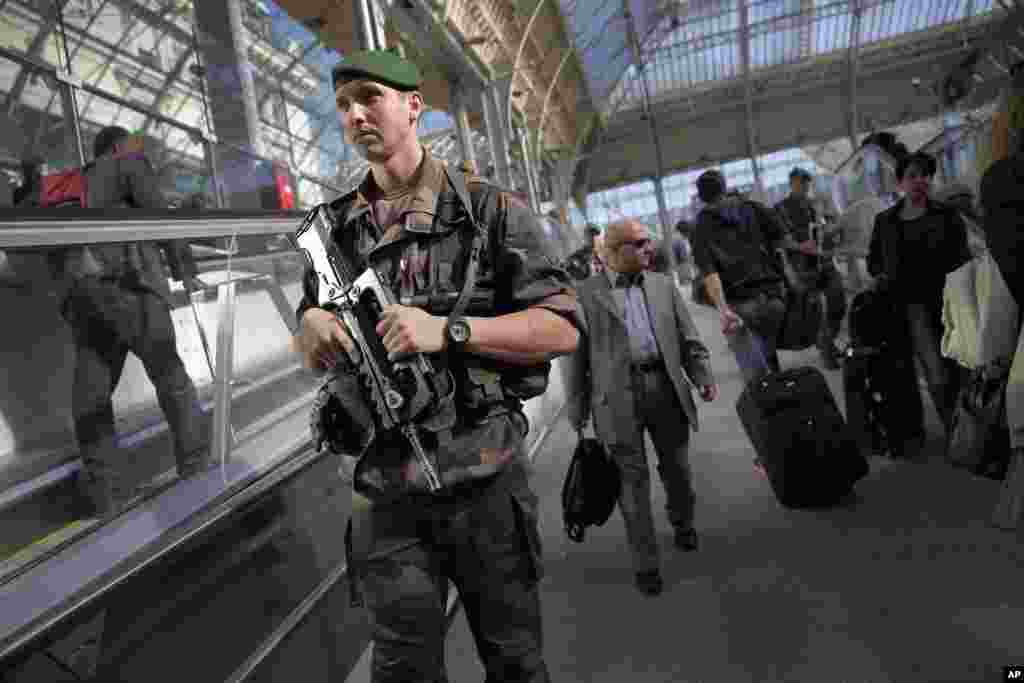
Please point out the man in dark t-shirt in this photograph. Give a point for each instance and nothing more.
(814, 269)
(736, 248)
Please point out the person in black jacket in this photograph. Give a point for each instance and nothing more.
(913, 246)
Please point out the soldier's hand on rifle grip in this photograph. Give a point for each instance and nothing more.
(321, 339)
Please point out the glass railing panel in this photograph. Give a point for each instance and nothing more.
(106, 396)
(35, 130)
(238, 582)
(268, 382)
(109, 377)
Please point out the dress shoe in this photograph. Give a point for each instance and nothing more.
(649, 583)
(686, 539)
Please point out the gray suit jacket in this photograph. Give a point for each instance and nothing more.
(600, 369)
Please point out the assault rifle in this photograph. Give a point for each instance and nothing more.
(397, 392)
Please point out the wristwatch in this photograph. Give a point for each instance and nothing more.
(457, 332)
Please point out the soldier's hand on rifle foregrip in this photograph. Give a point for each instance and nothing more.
(321, 339)
(406, 330)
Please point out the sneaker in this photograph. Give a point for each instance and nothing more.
(649, 583)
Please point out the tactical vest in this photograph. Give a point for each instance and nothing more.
(483, 386)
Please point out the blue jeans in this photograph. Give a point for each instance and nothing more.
(754, 345)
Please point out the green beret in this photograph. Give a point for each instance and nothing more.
(383, 66)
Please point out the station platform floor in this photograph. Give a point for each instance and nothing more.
(907, 583)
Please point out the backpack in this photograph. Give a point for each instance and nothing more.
(591, 488)
(66, 189)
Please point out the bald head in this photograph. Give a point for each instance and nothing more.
(628, 246)
(620, 231)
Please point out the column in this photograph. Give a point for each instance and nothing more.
(495, 136)
(232, 99)
(528, 170)
(853, 117)
(498, 93)
(659, 196)
(460, 97)
(561, 182)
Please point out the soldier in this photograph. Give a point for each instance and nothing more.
(407, 219)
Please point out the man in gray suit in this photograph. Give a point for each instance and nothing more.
(629, 372)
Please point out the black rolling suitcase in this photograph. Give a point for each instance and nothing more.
(800, 437)
(883, 404)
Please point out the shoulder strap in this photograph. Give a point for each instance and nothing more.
(341, 207)
(458, 182)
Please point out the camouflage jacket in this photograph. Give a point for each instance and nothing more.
(427, 252)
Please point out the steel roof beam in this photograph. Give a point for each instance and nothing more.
(156, 19)
(172, 76)
(853, 59)
(417, 20)
(547, 100)
(517, 60)
(779, 79)
(748, 94)
(627, 129)
(613, 166)
(33, 51)
(806, 22)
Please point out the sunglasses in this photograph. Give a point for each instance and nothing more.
(636, 244)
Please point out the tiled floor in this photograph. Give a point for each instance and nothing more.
(908, 584)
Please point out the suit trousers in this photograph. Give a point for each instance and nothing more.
(658, 411)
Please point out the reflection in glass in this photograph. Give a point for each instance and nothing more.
(267, 378)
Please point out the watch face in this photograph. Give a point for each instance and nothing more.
(459, 331)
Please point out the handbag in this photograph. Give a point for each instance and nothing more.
(980, 437)
(591, 488)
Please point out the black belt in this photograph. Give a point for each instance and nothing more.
(648, 366)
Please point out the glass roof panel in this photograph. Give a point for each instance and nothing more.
(601, 39)
(700, 44)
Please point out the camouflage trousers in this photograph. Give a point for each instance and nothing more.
(486, 541)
